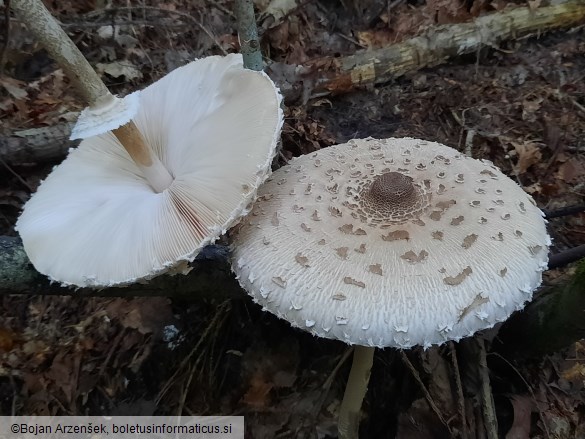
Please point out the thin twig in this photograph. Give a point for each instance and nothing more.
(18, 177)
(111, 351)
(295, 9)
(460, 398)
(327, 383)
(530, 389)
(422, 386)
(223, 307)
(564, 211)
(123, 22)
(566, 257)
(185, 390)
(326, 386)
(248, 35)
(469, 142)
(487, 398)
(155, 9)
(222, 9)
(14, 393)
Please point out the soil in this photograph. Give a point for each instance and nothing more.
(520, 105)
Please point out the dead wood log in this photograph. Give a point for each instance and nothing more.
(37, 145)
(566, 257)
(331, 75)
(211, 277)
(554, 319)
(435, 46)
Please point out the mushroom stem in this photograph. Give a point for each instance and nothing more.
(355, 390)
(47, 30)
(152, 168)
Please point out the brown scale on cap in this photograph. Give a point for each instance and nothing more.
(388, 198)
(392, 188)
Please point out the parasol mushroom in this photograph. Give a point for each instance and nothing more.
(137, 201)
(396, 242)
(95, 221)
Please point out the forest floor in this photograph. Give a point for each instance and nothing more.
(520, 105)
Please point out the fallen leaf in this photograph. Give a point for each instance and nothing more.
(267, 367)
(520, 428)
(528, 154)
(529, 109)
(117, 69)
(63, 372)
(375, 38)
(275, 11)
(7, 340)
(145, 314)
(258, 393)
(575, 374)
(572, 171)
(15, 88)
(534, 188)
(420, 422)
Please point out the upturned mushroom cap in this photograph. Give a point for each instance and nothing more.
(95, 221)
(396, 242)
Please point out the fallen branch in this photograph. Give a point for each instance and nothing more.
(566, 257)
(425, 391)
(435, 46)
(490, 420)
(366, 68)
(564, 211)
(211, 277)
(37, 145)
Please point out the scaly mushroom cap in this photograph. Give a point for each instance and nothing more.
(95, 221)
(396, 242)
